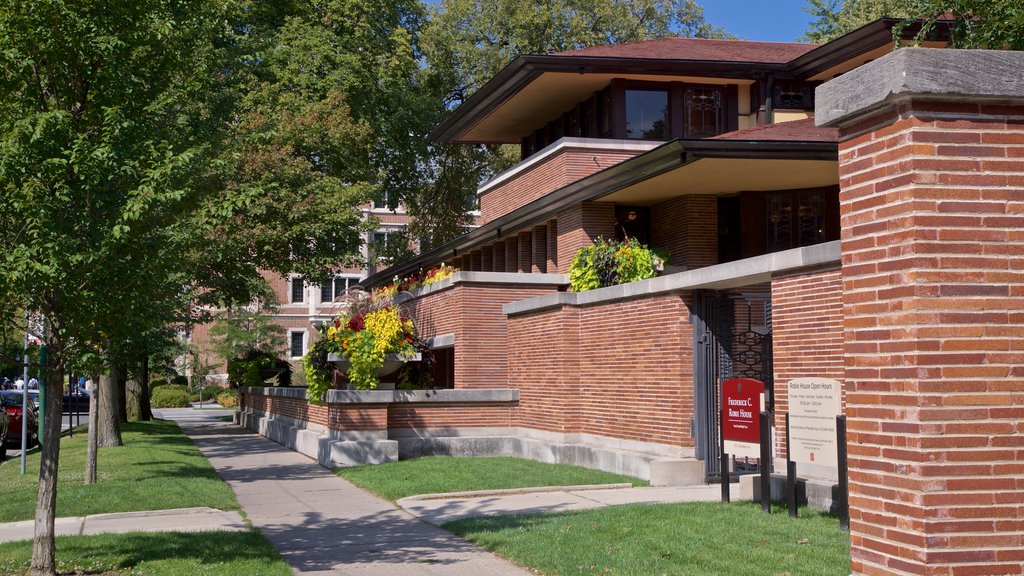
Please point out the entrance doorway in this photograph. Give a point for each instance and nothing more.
(731, 339)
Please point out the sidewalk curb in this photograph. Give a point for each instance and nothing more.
(172, 520)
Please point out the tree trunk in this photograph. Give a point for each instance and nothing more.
(145, 408)
(43, 548)
(133, 395)
(122, 392)
(92, 443)
(108, 427)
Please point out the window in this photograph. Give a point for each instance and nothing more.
(796, 219)
(703, 112)
(380, 202)
(297, 344)
(336, 287)
(646, 114)
(298, 290)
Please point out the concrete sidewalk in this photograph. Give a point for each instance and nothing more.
(320, 523)
(178, 520)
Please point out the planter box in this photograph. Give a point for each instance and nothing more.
(392, 362)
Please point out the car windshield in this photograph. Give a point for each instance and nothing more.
(11, 399)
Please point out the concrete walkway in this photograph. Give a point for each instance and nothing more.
(320, 523)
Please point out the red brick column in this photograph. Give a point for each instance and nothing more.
(540, 249)
(499, 257)
(932, 205)
(512, 254)
(552, 248)
(525, 251)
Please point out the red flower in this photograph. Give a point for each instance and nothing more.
(356, 323)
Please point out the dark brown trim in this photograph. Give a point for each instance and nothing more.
(662, 159)
(860, 41)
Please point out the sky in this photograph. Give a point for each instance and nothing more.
(770, 20)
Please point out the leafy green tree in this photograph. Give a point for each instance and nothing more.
(994, 24)
(991, 24)
(245, 328)
(835, 18)
(143, 163)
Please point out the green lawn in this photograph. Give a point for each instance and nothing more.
(697, 539)
(152, 554)
(157, 468)
(435, 474)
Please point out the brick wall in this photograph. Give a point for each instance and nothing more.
(472, 312)
(933, 279)
(386, 416)
(462, 415)
(688, 228)
(580, 226)
(560, 169)
(620, 370)
(335, 417)
(807, 335)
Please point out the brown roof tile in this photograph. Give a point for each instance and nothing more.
(700, 49)
(795, 131)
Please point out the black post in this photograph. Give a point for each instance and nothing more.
(790, 475)
(844, 481)
(724, 464)
(766, 463)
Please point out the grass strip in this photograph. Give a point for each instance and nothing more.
(694, 539)
(157, 468)
(153, 554)
(433, 474)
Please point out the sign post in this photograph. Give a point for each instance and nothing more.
(742, 402)
(813, 429)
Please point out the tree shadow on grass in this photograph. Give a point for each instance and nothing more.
(96, 554)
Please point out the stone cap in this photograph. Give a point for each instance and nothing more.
(923, 74)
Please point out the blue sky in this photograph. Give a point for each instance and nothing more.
(772, 20)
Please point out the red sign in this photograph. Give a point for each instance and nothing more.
(741, 410)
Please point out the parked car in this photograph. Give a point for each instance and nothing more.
(76, 401)
(33, 396)
(12, 401)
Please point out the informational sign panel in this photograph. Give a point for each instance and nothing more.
(814, 404)
(742, 401)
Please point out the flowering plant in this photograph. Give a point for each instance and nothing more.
(414, 281)
(364, 334)
(607, 263)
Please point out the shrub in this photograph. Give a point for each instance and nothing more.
(169, 397)
(228, 398)
(608, 263)
(180, 380)
(157, 382)
(168, 386)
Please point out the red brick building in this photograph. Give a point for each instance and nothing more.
(882, 248)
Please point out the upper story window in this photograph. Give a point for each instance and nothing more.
(298, 290)
(703, 115)
(647, 114)
(797, 219)
(336, 287)
(643, 110)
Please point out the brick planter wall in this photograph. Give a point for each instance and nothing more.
(619, 370)
(469, 307)
(932, 204)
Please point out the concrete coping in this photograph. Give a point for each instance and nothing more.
(510, 278)
(735, 274)
(920, 74)
(450, 396)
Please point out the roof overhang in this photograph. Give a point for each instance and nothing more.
(869, 42)
(674, 169)
(531, 90)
